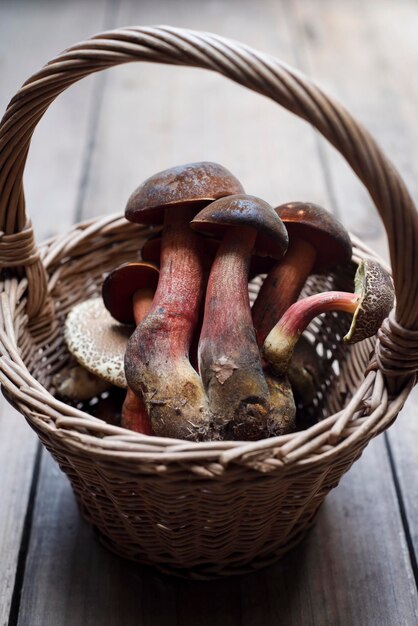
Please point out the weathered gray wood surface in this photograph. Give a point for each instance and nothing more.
(29, 33)
(116, 129)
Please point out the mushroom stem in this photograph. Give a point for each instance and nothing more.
(134, 413)
(142, 302)
(280, 342)
(229, 358)
(318, 242)
(157, 357)
(282, 286)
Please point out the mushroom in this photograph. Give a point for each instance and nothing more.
(157, 358)
(369, 305)
(99, 344)
(96, 340)
(317, 242)
(229, 359)
(128, 292)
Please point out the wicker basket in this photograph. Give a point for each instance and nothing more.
(196, 509)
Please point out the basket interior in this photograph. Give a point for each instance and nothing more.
(76, 272)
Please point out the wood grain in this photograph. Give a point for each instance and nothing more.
(29, 37)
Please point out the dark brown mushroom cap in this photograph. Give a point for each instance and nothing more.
(321, 229)
(193, 184)
(249, 211)
(120, 285)
(377, 296)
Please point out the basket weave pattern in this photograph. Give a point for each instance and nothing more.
(200, 509)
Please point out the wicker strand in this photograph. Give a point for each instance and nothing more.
(19, 248)
(396, 348)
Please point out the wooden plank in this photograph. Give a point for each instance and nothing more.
(29, 37)
(342, 28)
(18, 449)
(358, 542)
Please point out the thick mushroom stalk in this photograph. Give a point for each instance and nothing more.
(157, 361)
(229, 359)
(151, 251)
(369, 305)
(317, 242)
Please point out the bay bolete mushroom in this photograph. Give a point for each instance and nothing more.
(317, 242)
(369, 305)
(128, 292)
(229, 359)
(157, 361)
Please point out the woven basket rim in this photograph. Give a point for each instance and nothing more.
(83, 432)
(396, 347)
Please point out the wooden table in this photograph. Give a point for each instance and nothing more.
(359, 564)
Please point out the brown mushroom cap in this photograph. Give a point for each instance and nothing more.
(321, 229)
(97, 341)
(120, 285)
(248, 211)
(374, 285)
(193, 184)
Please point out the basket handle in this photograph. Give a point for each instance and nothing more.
(257, 71)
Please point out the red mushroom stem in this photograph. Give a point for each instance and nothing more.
(282, 286)
(142, 302)
(159, 347)
(134, 413)
(229, 358)
(280, 342)
(179, 292)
